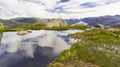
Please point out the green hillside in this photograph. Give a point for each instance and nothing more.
(15, 22)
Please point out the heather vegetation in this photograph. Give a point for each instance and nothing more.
(98, 48)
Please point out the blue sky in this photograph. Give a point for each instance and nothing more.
(58, 8)
(65, 0)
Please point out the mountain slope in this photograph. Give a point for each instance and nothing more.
(16, 22)
(92, 21)
(104, 20)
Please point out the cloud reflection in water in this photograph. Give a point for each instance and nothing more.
(47, 43)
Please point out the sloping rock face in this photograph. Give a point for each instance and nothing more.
(15, 22)
(1, 25)
(56, 23)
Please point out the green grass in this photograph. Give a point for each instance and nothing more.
(42, 26)
(97, 47)
(3, 29)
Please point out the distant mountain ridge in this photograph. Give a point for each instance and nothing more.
(15, 22)
(92, 21)
(104, 20)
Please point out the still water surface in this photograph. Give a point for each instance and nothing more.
(35, 49)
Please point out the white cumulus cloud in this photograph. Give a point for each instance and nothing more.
(56, 8)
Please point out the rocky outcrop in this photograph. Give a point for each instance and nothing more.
(16, 22)
(56, 23)
(1, 25)
(99, 26)
(79, 23)
(22, 32)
